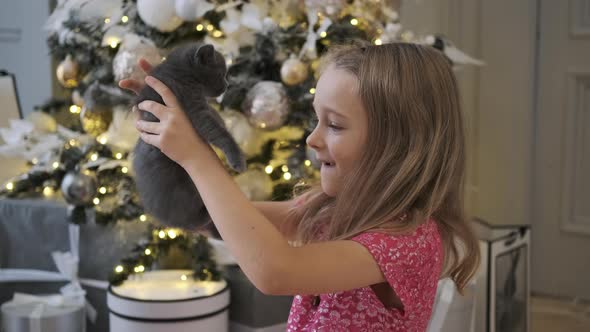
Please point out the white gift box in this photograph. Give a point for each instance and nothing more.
(51, 313)
(168, 300)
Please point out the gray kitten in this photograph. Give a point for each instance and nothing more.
(193, 73)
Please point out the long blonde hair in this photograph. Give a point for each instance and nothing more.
(414, 161)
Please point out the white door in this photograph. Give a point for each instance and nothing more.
(561, 178)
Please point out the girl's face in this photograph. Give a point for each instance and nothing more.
(340, 134)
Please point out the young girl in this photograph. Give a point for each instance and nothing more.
(387, 220)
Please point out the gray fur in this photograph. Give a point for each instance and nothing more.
(193, 73)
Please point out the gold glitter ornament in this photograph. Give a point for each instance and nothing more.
(95, 122)
(68, 73)
(294, 71)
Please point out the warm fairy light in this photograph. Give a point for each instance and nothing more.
(210, 27)
(119, 269)
(139, 268)
(183, 277)
(102, 140)
(107, 20)
(124, 170)
(171, 234)
(147, 251)
(162, 234)
(55, 165)
(199, 27)
(94, 156)
(312, 91)
(285, 168)
(102, 190)
(10, 186)
(124, 19)
(73, 142)
(229, 62)
(287, 176)
(268, 169)
(378, 41)
(96, 201)
(34, 161)
(307, 162)
(119, 155)
(142, 217)
(75, 109)
(47, 191)
(323, 34)
(114, 44)
(217, 33)
(354, 21)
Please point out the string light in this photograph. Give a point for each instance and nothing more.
(102, 140)
(96, 201)
(183, 277)
(73, 142)
(124, 19)
(378, 41)
(162, 234)
(285, 168)
(171, 234)
(199, 27)
(114, 44)
(147, 251)
(119, 155)
(55, 165)
(47, 191)
(210, 27)
(10, 186)
(354, 21)
(307, 162)
(107, 20)
(34, 161)
(142, 217)
(119, 269)
(217, 33)
(287, 176)
(94, 156)
(102, 190)
(323, 34)
(312, 91)
(124, 170)
(75, 109)
(139, 268)
(268, 169)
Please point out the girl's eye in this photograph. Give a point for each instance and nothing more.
(334, 126)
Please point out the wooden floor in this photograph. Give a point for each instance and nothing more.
(549, 315)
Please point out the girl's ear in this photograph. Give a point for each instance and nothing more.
(205, 54)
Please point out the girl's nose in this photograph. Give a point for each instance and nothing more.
(314, 140)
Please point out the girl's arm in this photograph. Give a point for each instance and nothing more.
(260, 249)
(278, 214)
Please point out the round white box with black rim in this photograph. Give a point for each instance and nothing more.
(168, 300)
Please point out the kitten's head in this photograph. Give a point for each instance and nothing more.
(210, 66)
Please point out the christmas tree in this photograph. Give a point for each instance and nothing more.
(78, 145)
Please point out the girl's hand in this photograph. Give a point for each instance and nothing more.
(135, 85)
(174, 135)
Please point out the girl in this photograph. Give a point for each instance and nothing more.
(387, 220)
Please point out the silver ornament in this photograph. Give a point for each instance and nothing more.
(238, 126)
(78, 188)
(255, 184)
(294, 71)
(125, 63)
(267, 105)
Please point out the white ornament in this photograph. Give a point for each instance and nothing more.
(243, 133)
(255, 184)
(191, 10)
(160, 14)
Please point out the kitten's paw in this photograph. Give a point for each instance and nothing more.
(239, 164)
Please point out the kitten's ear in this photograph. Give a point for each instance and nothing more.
(205, 54)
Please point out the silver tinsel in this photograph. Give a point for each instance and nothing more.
(267, 105)
(78, 188)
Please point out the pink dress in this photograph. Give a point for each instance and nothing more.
(412, 266)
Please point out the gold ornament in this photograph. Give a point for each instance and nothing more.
(68, 73)
(315, 68)
(96, 122)
(293, 71)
